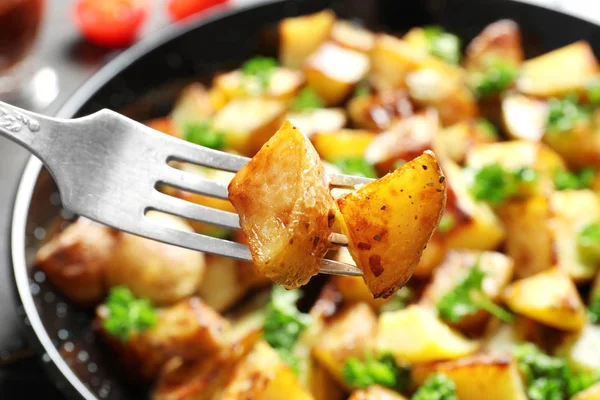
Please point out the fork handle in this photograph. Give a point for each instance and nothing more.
(24, 127)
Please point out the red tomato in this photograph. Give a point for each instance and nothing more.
(179, 9)
(110, 23)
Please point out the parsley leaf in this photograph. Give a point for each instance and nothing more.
(307, 99)
(594, 309)
(127, 314)
(203, 134)
(588, 242)
(468, 297)
(259, 70)
(495, 184)
(487, 127)
(447, 223)
(437, 387)
(442, 44)
(498, 75)
(381, 370)
(399, 300)
(355, 166)
(564, 180)
(362, 89)
(593, 91)
(565, 113)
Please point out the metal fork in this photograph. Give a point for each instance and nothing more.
(107, 168)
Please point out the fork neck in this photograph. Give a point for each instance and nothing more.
(22, 126)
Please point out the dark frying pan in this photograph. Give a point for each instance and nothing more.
(144, 81)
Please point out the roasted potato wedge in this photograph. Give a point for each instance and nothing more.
(318, 120)
(524, 117)
(376, 392)
(222, 287)
(456, 141)
(300, 36)
(579, 146)
(261, 375)
(284, 203)
(352, 36)
(379, 111)
(388, 222)
(345, 143)
(498, 271)
(495, 375)
(403, 141)
(582, 349)
(567, 219)
(249, 122)
(195, 104)
(284, 84)
(76, 260)
(501, 39)
(549, 297)
(559, 72)
(332, 71)
(417, 335)
(160, 272)
(350, 334)
(392, 60)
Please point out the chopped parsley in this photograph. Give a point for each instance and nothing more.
(355, 166)
(203, 134)
(497, 75)
(565, 113)
(307, 99)
(487, 127)
(594, 308)
(447, 223)
(381, 370)
(259, 69)
(588, 242)
(437, 387)
(467, 297)
(362, 89)
(399, 300)
(593, 91)
(495, 185)
(442, 44)
(564, 180)
(127, 314)
(284, 323)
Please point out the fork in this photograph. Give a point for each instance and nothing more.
(107, 168)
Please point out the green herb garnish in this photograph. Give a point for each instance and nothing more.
(565, 113)
(203, 134)
(495, 185)
(588, 242)
(437, 387)
(259, 69)
(467, 297)
(497, 75)
(381, 370)
(487, 127)
(356, 166)
(362, 89)
(447, 223)
(128, 314)
(593, 91)
(442, 44)
(594, 308)
(399, 300)
(307, 99)
(564, 180)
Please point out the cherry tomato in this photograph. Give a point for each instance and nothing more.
(110, 23)
(179, 9)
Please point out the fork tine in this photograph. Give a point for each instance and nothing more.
(197, 212)
(192, 183)
(332, 267)
(181, 150)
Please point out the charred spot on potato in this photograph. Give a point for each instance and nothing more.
(375, 264)
(364, 246)
(316, 241)
(424, 167)
(377, 238)
(442, 179)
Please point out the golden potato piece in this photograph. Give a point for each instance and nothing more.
(432, 256)
(498, 270)
(350, 334)
(284, 84)
(591, 393)
(582, 349)
(388, 222)
(549, 297)
(300, 36)
(494, 376)
(567, 219)
(559, 72)
(376, 392)
(261, 375)
(189, 329)
(332, 71)
(221, 287)
(524, 118)
(318, 120)
(417, 335)
(76, 260)
(159, 272)
(457, 140)
(283, 200)
(501, 39)
(404, 140)
(579, 146)
(249, 122)
(345, 143)
(378, 111)
(391, 61)
(194, 105)
(352, 36)
(529, 241)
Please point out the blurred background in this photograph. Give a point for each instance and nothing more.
(48, 48)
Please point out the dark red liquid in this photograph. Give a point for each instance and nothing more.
(19, 23)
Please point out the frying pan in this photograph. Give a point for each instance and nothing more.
(144, 81)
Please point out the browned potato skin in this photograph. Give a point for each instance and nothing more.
(388, 222)
(283, 201)
(376, 392)
(189, 329)
(495, 376)
(500, 39)
(350, 334)
(76, 260)
(378, 111)
(497, 267)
